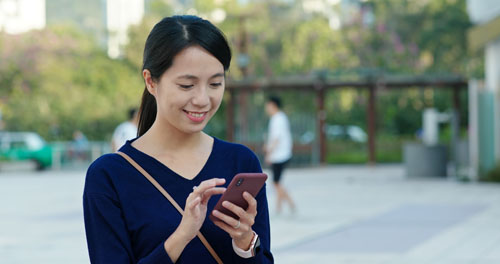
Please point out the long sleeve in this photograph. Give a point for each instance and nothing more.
(127, 220)
(107, 236)
(262, 225)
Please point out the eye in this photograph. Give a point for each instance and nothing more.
(185, 86)
(215, 85)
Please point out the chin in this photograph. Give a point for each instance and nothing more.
(191, 129)
(195, 130)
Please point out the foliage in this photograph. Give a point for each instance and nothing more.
(138, 34)
(389, 150)
(57, 81)
(341, 151)
(71, 84)
(493, 175)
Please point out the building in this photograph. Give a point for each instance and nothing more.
(106, 20)
(120, 14)
(484, 97)
(19, 16)
(88, 16)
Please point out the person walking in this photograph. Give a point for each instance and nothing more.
(148, 203)
(278, 149)
(126, 130)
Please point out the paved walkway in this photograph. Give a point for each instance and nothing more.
(363, 215)
(346, 214)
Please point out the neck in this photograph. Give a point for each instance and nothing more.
(164, 138)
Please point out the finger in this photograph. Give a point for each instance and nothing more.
(214, 191)
(210, 192)
(194, 203)
(223, 226)
(234, 208)
(245, 216)
(205, 185)
(252, 203)
(231, 231)
(226, 219)
(190, 198)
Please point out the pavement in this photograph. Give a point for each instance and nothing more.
(345, 215)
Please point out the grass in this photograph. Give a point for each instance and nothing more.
(348, 152)
(493, 175)
(389, 149)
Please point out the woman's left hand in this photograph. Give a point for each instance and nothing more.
(239, 230)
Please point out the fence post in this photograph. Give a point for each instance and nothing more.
(56, 157)
(371, 122)
(321, 117)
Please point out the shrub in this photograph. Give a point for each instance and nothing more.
(493, 175)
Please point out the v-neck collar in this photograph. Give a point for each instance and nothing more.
(145, 158)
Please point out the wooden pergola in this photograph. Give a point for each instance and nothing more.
(319, 86)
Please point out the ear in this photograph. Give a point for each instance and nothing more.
(150, 83)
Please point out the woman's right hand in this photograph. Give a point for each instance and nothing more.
(195, 210)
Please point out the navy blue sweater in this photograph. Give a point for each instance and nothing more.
(127, 220)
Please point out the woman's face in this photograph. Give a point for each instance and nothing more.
(189, 92)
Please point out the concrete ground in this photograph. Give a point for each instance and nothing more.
(346, 214)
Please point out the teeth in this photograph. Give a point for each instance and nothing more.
(197, 115)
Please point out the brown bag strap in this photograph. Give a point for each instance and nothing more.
(171, 200)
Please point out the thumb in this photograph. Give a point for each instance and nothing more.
(192, 205)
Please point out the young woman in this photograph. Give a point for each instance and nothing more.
(127, 219)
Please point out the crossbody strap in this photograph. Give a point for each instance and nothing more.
(171, 200)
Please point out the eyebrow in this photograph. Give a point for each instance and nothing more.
(192, 77)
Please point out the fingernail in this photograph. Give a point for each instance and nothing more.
(225, 203)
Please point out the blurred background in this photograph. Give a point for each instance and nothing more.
(71, 66)
(411, 86)
(365, 72)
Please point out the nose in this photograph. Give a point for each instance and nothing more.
(201, 98)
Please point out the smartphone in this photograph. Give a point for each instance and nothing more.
(242, 182)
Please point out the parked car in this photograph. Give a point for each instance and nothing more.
(22, 146)
(351, 133)
(337, 132)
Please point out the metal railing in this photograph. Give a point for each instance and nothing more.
(66, 154)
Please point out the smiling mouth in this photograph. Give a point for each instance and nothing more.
(196, 116)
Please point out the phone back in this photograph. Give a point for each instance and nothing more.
(249, 182)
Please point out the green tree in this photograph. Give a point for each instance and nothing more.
(58, 80)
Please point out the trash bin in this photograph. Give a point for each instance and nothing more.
(425, 161)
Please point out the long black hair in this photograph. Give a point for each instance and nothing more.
(169, 37)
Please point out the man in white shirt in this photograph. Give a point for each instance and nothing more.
(278, 148)
(125, 131)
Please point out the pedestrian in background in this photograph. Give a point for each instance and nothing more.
(81, 146)
(278, 149)
(127, 220)
(126, 130)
